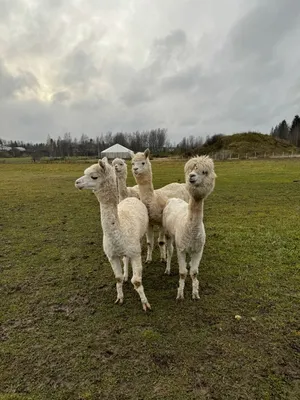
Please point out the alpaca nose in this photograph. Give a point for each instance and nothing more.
(192, 177)
(135, 168)
(77, 182)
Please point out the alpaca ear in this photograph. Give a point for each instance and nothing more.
(147, 153)
(102, 163)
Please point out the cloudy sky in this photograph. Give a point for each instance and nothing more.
(196, 67)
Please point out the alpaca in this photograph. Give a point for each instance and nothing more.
(121, 174)
(184, 222)
(124, 192)
(155, 200)
(123, 225)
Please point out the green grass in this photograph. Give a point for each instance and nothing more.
(62, 336)
(15, 160)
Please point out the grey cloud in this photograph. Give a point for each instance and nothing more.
(79, 67)
(251, 72)
(61, 97)
(12, 84)
(93, 103)
(9, 8)
(186, 79)
(143, 87)
(197, 72)
(190, 121)
(167, 49)
(136, 95)
(175, 39)
(25, 120)
(259, 32)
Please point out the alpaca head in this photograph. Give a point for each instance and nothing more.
(141, 166)
(97, 176)
(120, 167)
(200, 176)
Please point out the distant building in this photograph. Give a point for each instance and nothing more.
(9, 148)
(5, 148)
(116, 151)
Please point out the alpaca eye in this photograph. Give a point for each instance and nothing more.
(143, 163)
(94, 177)
(204, 172)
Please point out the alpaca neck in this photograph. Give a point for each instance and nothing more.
(108, 199)
(122, 188)
(109, 218)
(195, 211)
(146, 188)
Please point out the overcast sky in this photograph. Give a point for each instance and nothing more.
(196, 67)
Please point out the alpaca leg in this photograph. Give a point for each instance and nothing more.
(182, 273)
(162, 244)
(194, 264)
(170, 249)
(136, 280)
(117, 268)
(150, 242)
(125, 267)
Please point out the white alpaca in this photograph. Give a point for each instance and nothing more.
(124, 192)
(121, 174)
(123, 225)
(184, 222)
(155, 200)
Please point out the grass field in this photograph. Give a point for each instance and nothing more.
(62, 336)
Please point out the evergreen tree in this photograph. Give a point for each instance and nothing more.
(294, 134)
(283, 130)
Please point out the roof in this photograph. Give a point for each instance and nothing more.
(8, 148)
(116, 148)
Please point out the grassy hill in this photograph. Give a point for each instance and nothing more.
(250, 142)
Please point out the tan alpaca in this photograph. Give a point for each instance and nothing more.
(154, 200)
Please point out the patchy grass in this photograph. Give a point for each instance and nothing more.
(62, 336)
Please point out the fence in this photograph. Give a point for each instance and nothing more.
(227, 155)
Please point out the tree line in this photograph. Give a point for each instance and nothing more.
(290, 133)
(155, 139)
(66, 146)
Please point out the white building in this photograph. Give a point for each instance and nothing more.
(116, 151)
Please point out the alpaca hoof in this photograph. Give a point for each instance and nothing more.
(148, 261)
(180, 296)
(167, 271)
(146, 306)
(163, 260)
(119, 300)
(195, 296)
(125, 278)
